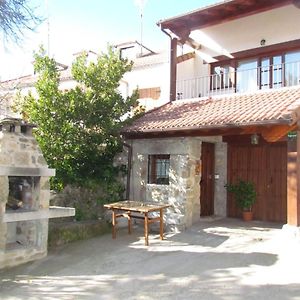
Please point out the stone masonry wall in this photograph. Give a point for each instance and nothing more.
(21, 150)
(221, 170)
(175, 192)
(183, 191)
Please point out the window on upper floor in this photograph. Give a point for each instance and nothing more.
(292, 68)
(269, 71)
(222, 77)
(158, 169)
(246, 75)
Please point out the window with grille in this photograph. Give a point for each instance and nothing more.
(158, 169)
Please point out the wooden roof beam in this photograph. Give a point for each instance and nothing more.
(192, 43)
(230, 8)
(222, 12)
(276, 133)
(183, 34)
(296, 3)
(185, 57)
(248, 2)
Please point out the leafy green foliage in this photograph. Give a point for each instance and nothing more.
(244, 192)
(78, 128)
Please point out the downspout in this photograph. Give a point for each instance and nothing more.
(164, 31)
(129, 163)
(173, 64)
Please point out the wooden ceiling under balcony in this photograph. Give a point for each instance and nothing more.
(219, 13)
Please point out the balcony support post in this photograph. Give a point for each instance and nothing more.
(173, 69)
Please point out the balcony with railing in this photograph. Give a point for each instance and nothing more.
(240, 81)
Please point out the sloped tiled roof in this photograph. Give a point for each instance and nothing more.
(30, 80)
(256, 108)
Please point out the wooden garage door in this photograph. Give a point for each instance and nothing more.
(266, 166)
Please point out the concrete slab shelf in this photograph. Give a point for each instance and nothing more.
(52, 212)
(16, 246)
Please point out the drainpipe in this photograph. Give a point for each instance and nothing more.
(173, 64)
(129, 163)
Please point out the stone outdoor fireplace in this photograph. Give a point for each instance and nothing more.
(24, 195)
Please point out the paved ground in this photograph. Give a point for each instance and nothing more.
(220, 259)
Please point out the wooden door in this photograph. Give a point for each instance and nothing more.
(266, 166)
(207, 179)
(277, 184)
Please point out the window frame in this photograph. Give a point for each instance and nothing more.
(153, 176)
(259, 56)
(214, 86)
(152, 92)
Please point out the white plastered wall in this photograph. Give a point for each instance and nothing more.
(157, 75)
(187, 71)
(275, 26)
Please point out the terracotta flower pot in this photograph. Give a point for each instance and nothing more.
(247, 216)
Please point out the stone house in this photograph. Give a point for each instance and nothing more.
(234, 116)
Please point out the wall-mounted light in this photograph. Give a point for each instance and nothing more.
(254, 139)
(262, 42)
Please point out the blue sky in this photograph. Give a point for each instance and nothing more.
(77, 25)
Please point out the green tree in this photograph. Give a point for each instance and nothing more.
(78, 128)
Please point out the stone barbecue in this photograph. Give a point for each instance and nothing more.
(24, 195)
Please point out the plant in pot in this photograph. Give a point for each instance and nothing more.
(245, 196)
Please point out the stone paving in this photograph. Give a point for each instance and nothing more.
(215, 259)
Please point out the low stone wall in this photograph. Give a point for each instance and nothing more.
(63, 233)
(88, 203)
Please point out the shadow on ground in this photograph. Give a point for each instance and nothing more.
(213, 260)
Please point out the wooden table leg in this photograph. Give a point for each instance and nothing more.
(161, 224)
(114, 223)
(146, 229)
(129, 223)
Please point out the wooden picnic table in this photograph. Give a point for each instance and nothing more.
(126, 208)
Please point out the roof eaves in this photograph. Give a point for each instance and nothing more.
(212, 126)
(160, 22)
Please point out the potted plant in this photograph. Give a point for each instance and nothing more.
(245, 196)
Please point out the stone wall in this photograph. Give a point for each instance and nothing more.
(221, 170)
(20, 150)
(22, 241)
(63, 233)
(183, 191)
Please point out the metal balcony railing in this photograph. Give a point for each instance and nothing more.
(239, 81)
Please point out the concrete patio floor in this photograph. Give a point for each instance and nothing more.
(215, 259)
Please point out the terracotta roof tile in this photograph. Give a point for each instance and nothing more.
(261, 107)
